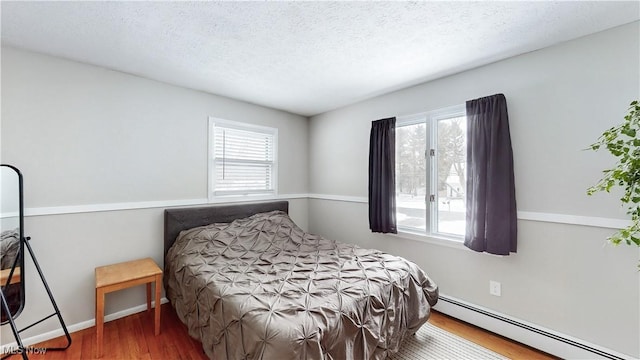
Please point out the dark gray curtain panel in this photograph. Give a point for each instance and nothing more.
(491, 197)
(382, 176)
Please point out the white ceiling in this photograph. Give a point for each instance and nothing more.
(302, 57)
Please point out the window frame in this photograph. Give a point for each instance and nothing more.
(431, 119)
(258, 194)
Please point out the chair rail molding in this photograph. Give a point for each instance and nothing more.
(601, 222)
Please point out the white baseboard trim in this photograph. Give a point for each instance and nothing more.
(547, 340)
(77, 327)
(557, 344)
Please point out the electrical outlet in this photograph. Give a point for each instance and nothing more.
(495, 288)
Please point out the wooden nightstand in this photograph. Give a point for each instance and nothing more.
(121, 276)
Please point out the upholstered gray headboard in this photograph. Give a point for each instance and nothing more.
(176, 220)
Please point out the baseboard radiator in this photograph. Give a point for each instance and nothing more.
(549, 341)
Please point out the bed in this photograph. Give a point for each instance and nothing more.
(250, 284)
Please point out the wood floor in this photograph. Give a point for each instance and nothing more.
(132, 337)
(489, 340)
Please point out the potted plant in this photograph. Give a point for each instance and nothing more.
(623, 142)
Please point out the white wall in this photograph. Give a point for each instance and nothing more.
(85, 136)
(560, 99)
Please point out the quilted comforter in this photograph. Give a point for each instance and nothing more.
(262, 288)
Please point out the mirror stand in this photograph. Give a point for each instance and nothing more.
(16, 333)
(15, 276)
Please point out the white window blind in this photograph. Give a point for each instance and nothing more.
(243, 159)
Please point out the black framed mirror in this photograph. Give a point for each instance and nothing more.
(11, 241)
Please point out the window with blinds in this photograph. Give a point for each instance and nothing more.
(242, 159)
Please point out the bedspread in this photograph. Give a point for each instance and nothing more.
(262, 288)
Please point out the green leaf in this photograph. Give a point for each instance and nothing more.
(622, 143)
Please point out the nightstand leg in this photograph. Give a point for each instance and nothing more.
(158, 288)
(148, 296)
(99, 321)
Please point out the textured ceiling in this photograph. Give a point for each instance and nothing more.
(302, 57)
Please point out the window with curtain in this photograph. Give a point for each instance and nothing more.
(431, 150)
(242, 159)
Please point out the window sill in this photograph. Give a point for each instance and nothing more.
(431, 239)
(241, 198)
